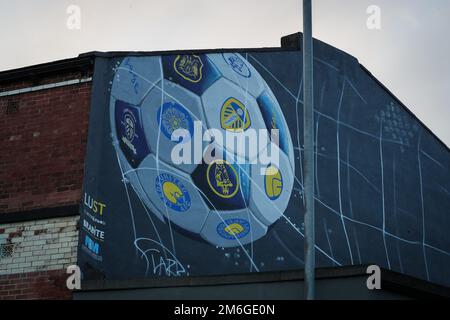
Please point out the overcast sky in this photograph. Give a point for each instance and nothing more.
(410, 54)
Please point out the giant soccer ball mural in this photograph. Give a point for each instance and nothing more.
(224, 203)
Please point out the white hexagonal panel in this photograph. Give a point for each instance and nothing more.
(233, 112)
(173, 193)
(237, 69)
(162, 114)
(271, 188)
(134, 77)
(270, 107)
(228, 229)
(132, 182)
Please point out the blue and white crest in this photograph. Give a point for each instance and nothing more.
(237, 64)
(130, 132)
(172, 116)
(129, 124)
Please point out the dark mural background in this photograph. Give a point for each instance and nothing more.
(382, 186)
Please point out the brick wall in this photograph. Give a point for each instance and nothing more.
(39, 245)
(43, 138)
(34, 256)
(36, 285)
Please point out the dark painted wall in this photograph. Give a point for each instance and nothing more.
(382, 185)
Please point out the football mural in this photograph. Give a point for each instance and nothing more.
(194, 168)
(226, 203)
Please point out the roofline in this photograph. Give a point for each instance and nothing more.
(293, 41)
(48, 68)
(86, 60)
(112, 54)
(403, 105)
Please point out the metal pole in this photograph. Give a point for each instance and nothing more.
(308, 159)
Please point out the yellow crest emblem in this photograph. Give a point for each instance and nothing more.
(222, 179)
(273, 183)
(189, 67)
(172, 192)
(234, 116)
(234, 229)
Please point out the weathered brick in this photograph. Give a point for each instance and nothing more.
(35, 285)
(37, 263)
(41, 114)
(49, 133)
(26, 254)
(33, 253)
(57, 256)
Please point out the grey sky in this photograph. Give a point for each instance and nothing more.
(410, 54)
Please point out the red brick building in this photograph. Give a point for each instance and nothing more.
(43, 130)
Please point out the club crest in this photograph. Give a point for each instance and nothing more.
(222, 179)
(172, 116)
(232, 229)
(189, 67)
(173, 193)
(273, 182)
(237, 64)
(234, 116)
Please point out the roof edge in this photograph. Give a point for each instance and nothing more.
(403, 105)
(110, 54)
(78, 63)
(291, 42)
